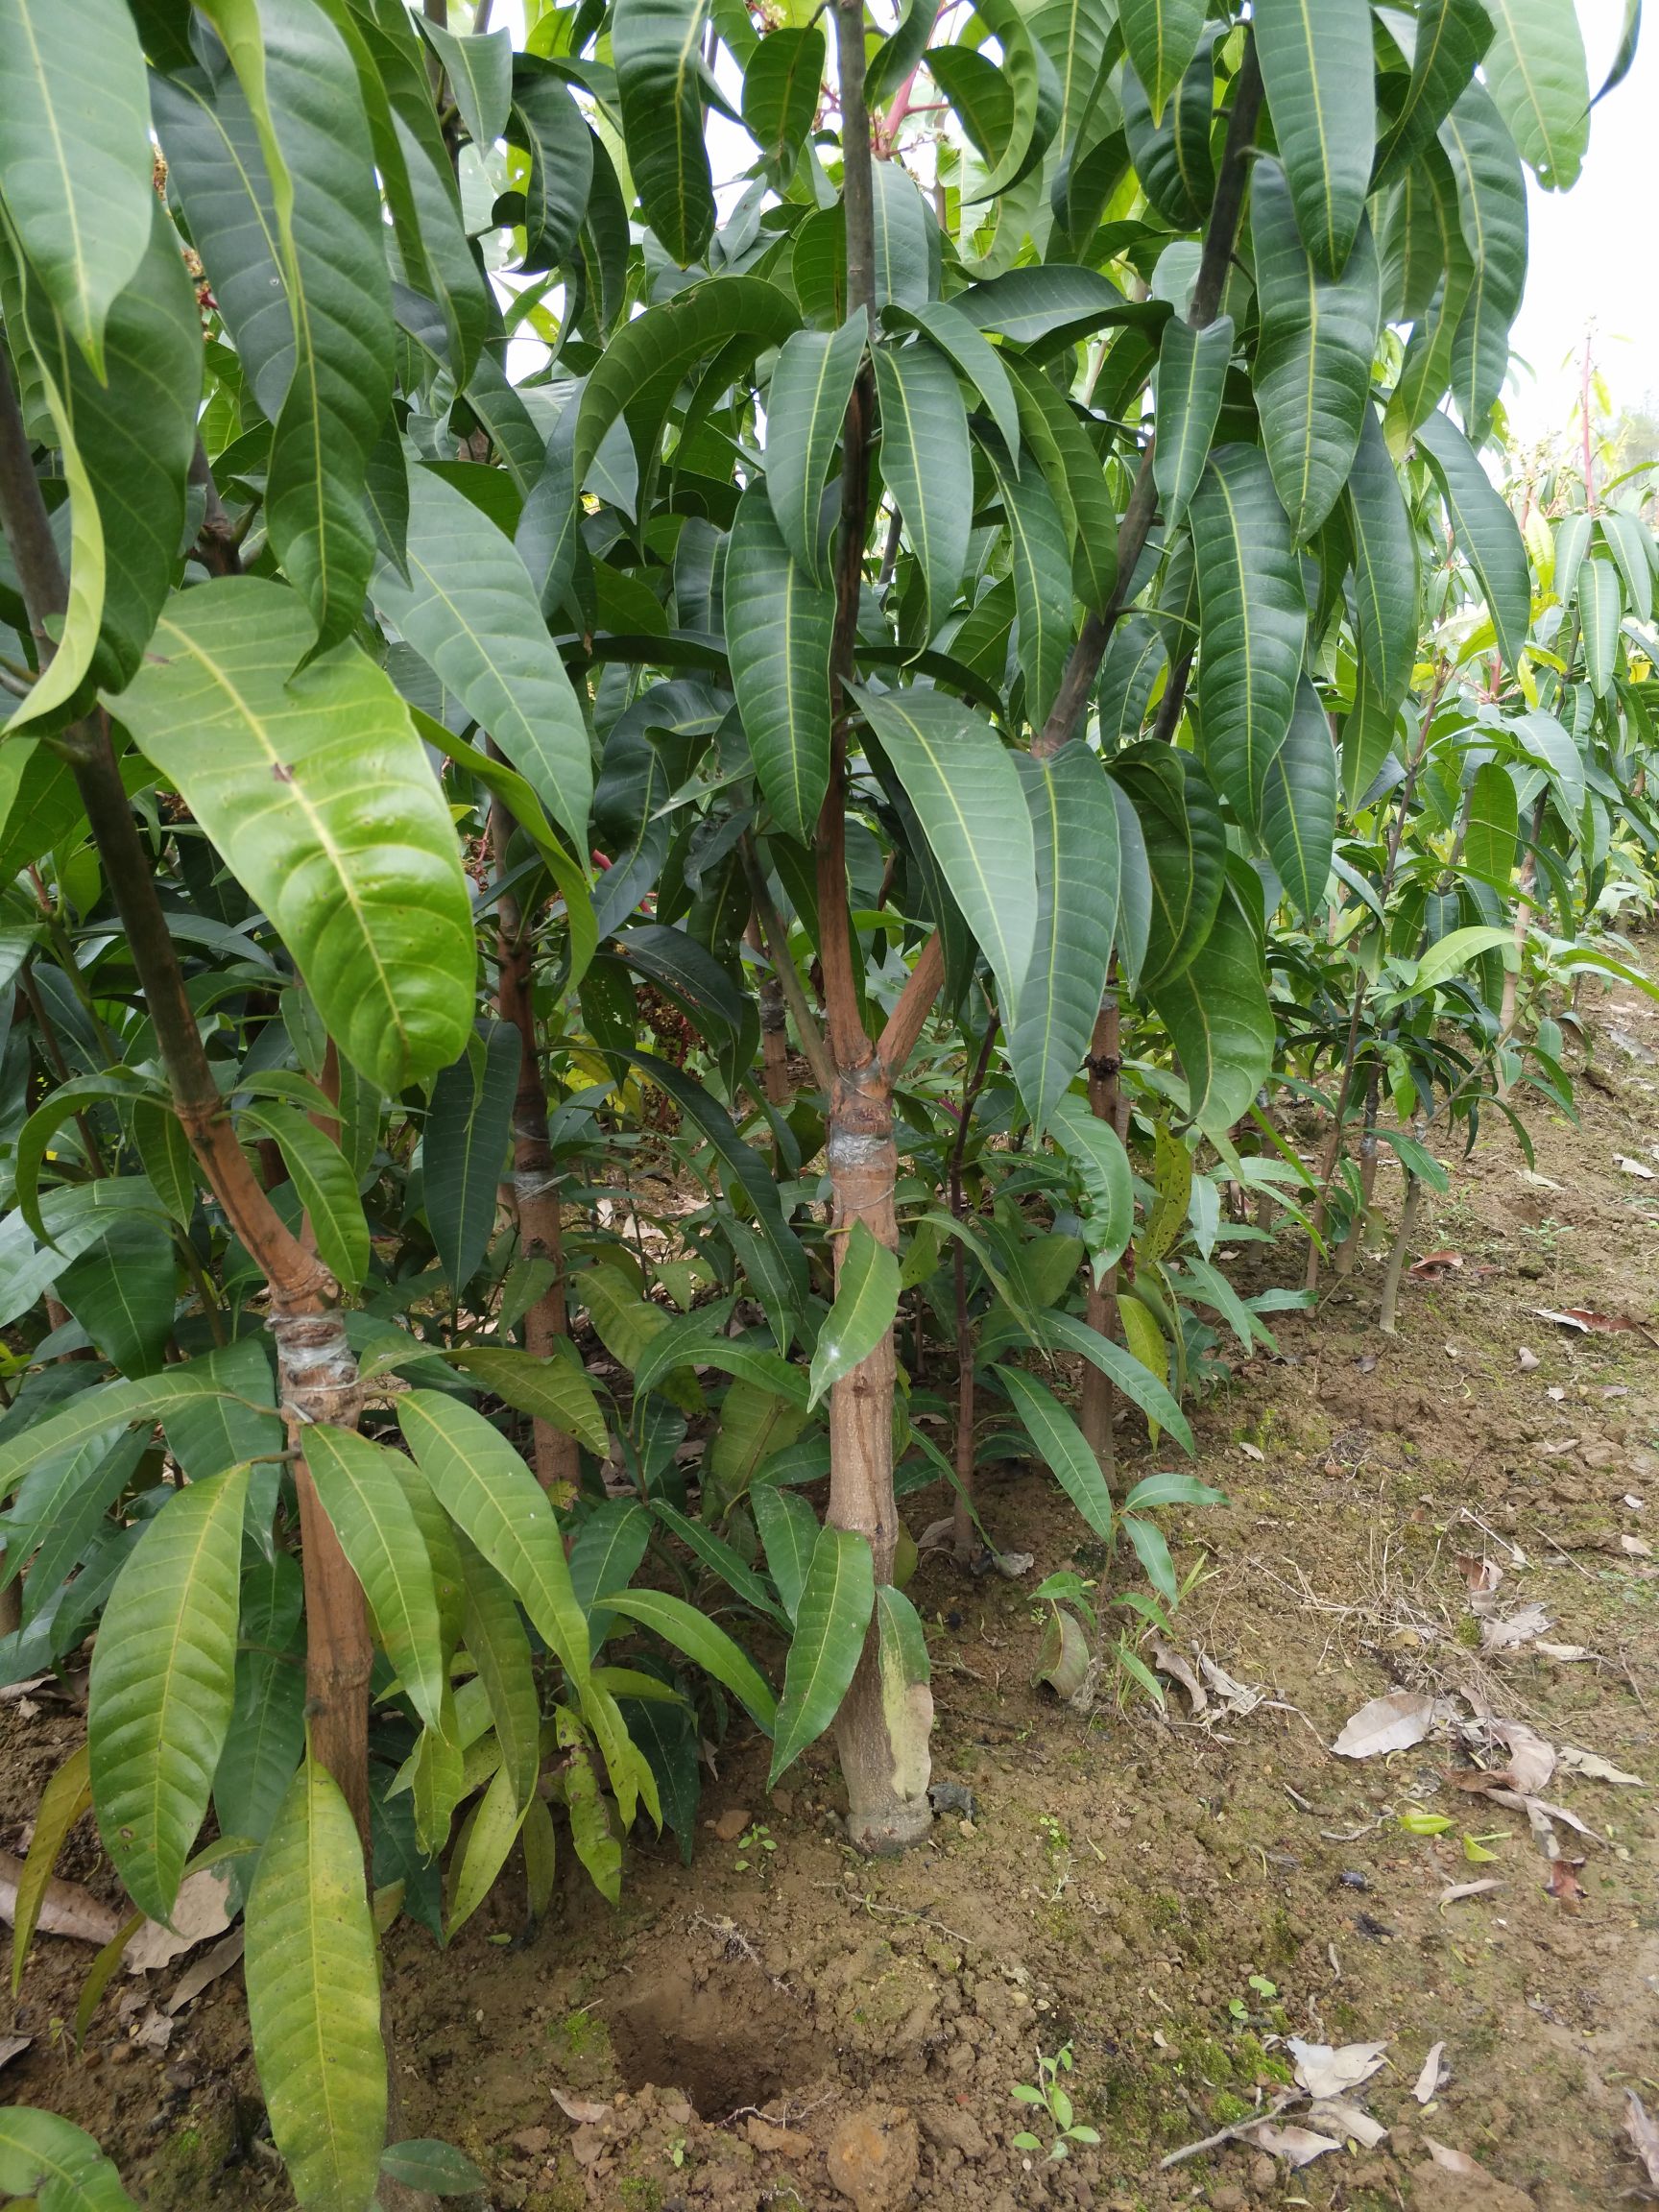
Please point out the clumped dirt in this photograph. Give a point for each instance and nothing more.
(1170, 1897)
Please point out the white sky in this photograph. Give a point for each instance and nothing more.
(1589, 261)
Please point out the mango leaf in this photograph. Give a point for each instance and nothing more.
(265, 1738)
(62, 1801)
(493, 1498)
(1040, 559)
(1219, 1020)
(704, 1644)
(779, 628)
(421, 2162)
(720, 1559)
(122, 1292)
(1313, 373)
(464, 1147)
(1492, 826)
(1385, 566)
(147, 1398)
(656, 45)
(837, 1602)
(480, 74)
(53, 2163)
(371, 900)
(806, 406)
(1298, 806)
(866, 1300)
(561, 146)
(297, 75)
(1162, 36)
(314, 1997)
(1174, 159)
(1186, 850)
(1253, 622)
(75, 162)
(1487, 533)
(907, 246)
(1600, 611)
(1062, 1448)
(977, 359)
(780, 87)
(1318, 69)
(381, 1540)
(788, 1529)
(1459, 948)
(1451, 35)
(1097, 1152)
(554, 1389)
(1074, 832)
(328, 1188)
(471, 610)
(924, 459)
(1492, 215)
(1143, 1384)
(1192, 377)
(1536, 71)
(163, 1678)
(481, 1852)
(963, 783)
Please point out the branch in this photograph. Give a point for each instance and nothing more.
(898, 1039)
(775, 939)
(1065, 716)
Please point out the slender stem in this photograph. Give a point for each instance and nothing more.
(1397, 1258)
(775, 938)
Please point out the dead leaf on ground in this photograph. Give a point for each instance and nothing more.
(1296, 2146)
(1482, 1575)
(1531, 1760)
(582, 2110)
(1564, 1885)
(1390, 1723)
(1434, 1266)
(1169, 1661)
(1643, 2133)
(1252, 1450)
(938, 1535)
(1594, 1767)
(1235, 1696)
(1509, 1631)
(1456, 1892)
(1454, 2161)
(1347, 2120)
(1324, 2071)
(204, 1970)
(1590, 1323)
(12, 2047)
(1564, 1653)
(1634, 1548)
(155, 2031)
(68, 1909)
(1435, 2072)
(1629, 1166)
(202, 1909)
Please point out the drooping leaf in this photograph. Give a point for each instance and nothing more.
(1185, 844)
(1385, 566)
(837, 1602)
(470, 610)
(265, 1738)
(1254, 621)
(1486, 531)
(1041, 566)
(75, 162)
(1298, 809)
(1536, 71)
(369, 898)
(1192, 377)
(1493, 823)
(314, 1997)
(1141, 1382)
(90, 1412)
(480, 73)
(806, 407)
(62, 1801)
(866, 1300)
(57, 2165)
(328, 1188)
(1074, 832)
(781, 87)
(977, 359)
(464, 1147)
(561, 146)
(705, 1644)
(656, 45)
(122, 1292)
(964, 786)
(1062, 1448)
(1317, 68)
(1492, 215)
(779, 628)
(1312, 373)
(1162, 36)
(1174, 158)
(1219, 1020)
(924, 459)
(549, 1389)
(1600, 611)
(905, 239)
(490, 1833)
(163, 1678)
(1451, 35)
(1097, 1152)
(788, 1530)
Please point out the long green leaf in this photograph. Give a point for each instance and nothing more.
(1185, 844)
(1298, 807)
(471, 610)
(1062, 1448)
(788, 1530)
(1536, 70)
(1451, 38)
(1219, 1020)
(266, 1739)
(62, 1801)
(924, 459)
(1492, 827)
(1318, 334)
(1065, 1332)
(549, 1389)
(364, 1501)
(1040, 559)
(493, 1498)
(314, 1998)
(500, 1650)
(163, 1678)
(704, 1644)
(53, 2163)
(1487, 533)
(1317, 68)
(328, 1188)
(806, 406)
(1192, 377)
(978, 360)
(1253, 622)
(89, 1413)
(779, 628)
(297, 75)
(561, 145)
(964, 786)
(1162, 36)
(370, 900)
(480, 74)
(1174, 159)
(1097, 1152)
(75, 165)
(656, 47)
(905, 239)
(1600, 610)
(1385, 566)
(781, 87)
(837, 1602)
(866, 1300)
(464, 1147)
(1492, 215)
(1074, 835)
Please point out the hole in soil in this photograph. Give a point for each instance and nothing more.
(721, 2036)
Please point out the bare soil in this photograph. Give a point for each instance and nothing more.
(1171, 1897)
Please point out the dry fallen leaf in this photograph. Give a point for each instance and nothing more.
(1531, 1760)
(155, 2031)
(1169, 1661)
(1594, 1767)
(1347, 2120)
(1586, 1322)
(1237, 1698)
(1563, 1652)
(1327, 2072)
(12, 2047)
(206, 1969)
(1564, 1885)
(1634, 1548)
(1455, 1892)
(68, 1908)
(1435, 2072)
(1507, 1632)
(1454, 2161)
(582, 2109)
(1643, 2133)
(1390, 1723)
(1631, 1167)
(1434, 1264)
(1298, 2146)
(202, 1911)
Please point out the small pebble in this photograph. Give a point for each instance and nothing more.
(1353, 1879)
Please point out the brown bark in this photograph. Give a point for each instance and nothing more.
(535, 1184)
(774, 1026)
